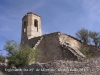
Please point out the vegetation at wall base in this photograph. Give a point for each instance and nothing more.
(20, 56)
(85, 50)
(1, 58)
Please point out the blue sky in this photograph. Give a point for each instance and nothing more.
(66, 16)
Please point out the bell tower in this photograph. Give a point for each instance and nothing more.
(31, 27)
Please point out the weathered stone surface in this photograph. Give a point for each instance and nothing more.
(61, 67)
(51, 47)
(31, 27)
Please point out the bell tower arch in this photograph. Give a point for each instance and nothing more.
(31, 27)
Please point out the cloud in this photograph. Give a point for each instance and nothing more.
(38, 4)
(89, 10)
(92, 8)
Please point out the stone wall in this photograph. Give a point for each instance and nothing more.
(64, 38)
(60, 67)
(51, 49)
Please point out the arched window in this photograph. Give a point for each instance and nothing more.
(36, 24)
(24, 26)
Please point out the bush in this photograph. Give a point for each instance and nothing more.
(1, 58)
(85, 50)
(20, 56)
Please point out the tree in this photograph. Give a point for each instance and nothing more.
(95, 36)
(83, 35)
(1, 58)
(20, 56)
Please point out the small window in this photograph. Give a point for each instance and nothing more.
(24, 26)
(35, 23)
(24, 22)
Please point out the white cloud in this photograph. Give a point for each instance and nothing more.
(92, 8)
(92, 12)
(38, 4)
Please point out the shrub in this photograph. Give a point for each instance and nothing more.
(85, 50)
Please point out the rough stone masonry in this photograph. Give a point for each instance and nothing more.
(58, 67)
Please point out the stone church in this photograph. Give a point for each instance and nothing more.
(53, 46)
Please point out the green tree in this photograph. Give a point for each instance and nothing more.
(20, 56)
(83, 35)
(1, 58)
(95, 36)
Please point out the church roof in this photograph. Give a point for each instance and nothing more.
(75, 51)
(73, 37)
(32, 13)
(34, 42)
(64, 34)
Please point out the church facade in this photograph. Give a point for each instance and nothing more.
(53, 46)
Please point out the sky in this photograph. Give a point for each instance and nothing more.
(66, 16)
